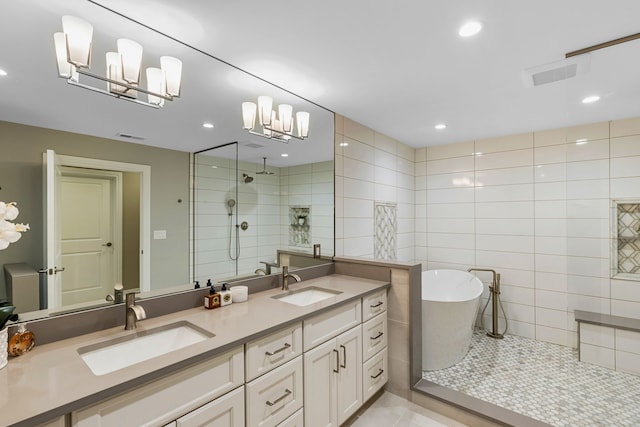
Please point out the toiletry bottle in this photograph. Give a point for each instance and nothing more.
(225, 295)
(197, 285)
(212, 300)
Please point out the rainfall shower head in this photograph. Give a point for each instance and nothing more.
(246, 178)
(264, 170)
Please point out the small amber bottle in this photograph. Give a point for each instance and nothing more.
(212, 300)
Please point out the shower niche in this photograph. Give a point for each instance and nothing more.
(299, 226)
(625, 247)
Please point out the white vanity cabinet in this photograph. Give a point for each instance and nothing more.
(225, 411)
(374, 344)
(171, 397)
(333, 370)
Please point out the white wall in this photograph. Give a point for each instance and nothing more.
(372, 167)
(534, 206)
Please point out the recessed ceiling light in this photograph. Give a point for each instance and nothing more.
(440, 126)
(590, 99)
(284, 155)
(469, 29)
(2, 72)
(207, 125)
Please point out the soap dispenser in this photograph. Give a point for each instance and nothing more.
(212, 300)
(225, 295)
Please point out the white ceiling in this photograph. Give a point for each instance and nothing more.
(399, 66)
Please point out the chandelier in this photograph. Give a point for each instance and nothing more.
(278, 126)
(73, 54)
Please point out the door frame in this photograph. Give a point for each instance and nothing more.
(145, 203)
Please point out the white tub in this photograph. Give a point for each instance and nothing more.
(450, 300)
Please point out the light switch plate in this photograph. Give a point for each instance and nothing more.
(159, 234)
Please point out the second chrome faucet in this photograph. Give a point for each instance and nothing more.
(286, 276)
(134, 312)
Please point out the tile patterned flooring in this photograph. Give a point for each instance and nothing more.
(390, 410)
(543, 381)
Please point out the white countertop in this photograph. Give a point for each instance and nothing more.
(52, 379)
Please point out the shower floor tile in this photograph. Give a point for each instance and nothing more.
(543, 381)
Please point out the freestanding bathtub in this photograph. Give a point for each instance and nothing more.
(450, 300)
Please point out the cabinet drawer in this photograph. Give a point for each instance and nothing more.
(327, 325)
(374, 304)
(375, 375)
(374, 335)
(168, 398)
(264, 354)
(295, 420)
(275, 396)
(225, 411)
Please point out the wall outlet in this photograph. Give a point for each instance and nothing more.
(159, 234)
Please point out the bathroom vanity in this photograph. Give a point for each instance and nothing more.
(265, 362)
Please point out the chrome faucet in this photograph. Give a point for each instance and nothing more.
(285, 277)
(134, 312)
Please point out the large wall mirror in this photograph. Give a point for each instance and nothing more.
(174, 180)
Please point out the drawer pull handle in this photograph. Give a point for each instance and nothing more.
(280, 350)
(380, 372)
(344, 356)
(287, 392)
(337, 369)
(376, 305)
(377, 336)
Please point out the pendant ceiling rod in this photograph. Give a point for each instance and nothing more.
(603, 45)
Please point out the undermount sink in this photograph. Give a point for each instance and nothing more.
(118, 353)
(306, 296)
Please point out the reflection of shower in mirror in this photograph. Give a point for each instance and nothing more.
(246, 178)
(230, 204)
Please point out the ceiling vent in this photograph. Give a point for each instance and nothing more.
(556, 71)
(253, 145)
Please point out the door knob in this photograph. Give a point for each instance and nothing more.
(108, 244)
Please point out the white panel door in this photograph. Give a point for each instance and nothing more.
(86, 238)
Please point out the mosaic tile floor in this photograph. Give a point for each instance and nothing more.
(543, 381)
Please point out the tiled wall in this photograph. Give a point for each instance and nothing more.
(536, 207)
(264, 204)
(371, 167)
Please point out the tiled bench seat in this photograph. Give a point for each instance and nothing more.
(609, 341)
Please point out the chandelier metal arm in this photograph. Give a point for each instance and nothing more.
(115, 95)
(275, 138)
(123, 84)
(283, 133)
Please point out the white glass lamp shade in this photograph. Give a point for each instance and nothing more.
(248, 115)
(172, 68)
(114, 72)
(131, 60)
(285, 115)
(64, 67)
(79, 34)
(156, 83)
(265, 104)
(302, 122)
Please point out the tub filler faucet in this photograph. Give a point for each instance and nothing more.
(494, 290)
